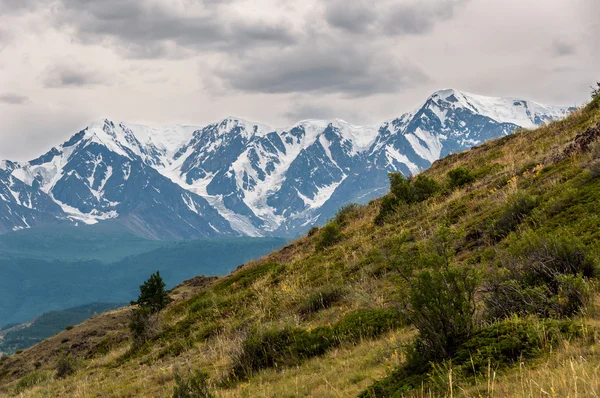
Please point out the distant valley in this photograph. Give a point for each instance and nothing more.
(44, 270)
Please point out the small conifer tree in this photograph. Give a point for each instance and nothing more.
(144, 319)
(153, 296)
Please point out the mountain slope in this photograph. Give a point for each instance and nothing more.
(104, 172)
(23, 336)
(333, 312)
(238, 177)
(23, 206)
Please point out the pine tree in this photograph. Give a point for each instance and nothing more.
(596, 90)
(153, 296)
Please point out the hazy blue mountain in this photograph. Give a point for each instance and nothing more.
(21, 336)
(236, 177)
(41, 271)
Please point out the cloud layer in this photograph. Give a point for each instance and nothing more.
(194, 61)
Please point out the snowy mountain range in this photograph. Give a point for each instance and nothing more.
(236, 177)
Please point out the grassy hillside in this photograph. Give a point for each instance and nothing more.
(19, 337)
(477, 279)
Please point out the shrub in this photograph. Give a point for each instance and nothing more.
(321, 299)
(543, 275)
(459, 177)
(291, 346)
(65, 366)
(512, 215)
(412, 190)
(594, 169)
(425, 187)
(143, 325)
(497, 346)
(152, 294)
(389, 206)
(401, 188)
(69, 327)
(346, 212)
(30, 380)
(143, 322)
(312, 231)
(193, 385)
(367, 324)
(595, 91)
(442, 307)
(329, 235)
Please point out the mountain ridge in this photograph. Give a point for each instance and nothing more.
(236, 177)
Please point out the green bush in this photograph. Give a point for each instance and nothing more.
(321, 299)
(291, 346)
(401, 188)
(500, 346)
(193, 385)
(511, 216)
(541, 274)
(424, 187)
(329, 235)
(143, 325)
(442, 307)
(595, 91)
(65, 366)
(347, 212)
(30, 380)
(312, 231)
(459, 177)
(389, 206)
(412, 190)
(367, 324)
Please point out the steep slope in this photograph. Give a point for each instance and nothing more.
(104, 172)
(239, 177)
(23, 206)
(25, 335)
(334, 312)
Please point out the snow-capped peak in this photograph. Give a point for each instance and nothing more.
(252, 178)
(520, 112)
(248, 128)
(361, 137)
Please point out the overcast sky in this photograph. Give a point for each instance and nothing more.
(64, 63)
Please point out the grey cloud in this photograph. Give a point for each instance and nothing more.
(389, 17)
(322, 66)
(562, 48)
(418, 17)
(71, 75)
(14, 99)
(353, 16)
(17, 6)
(146, 29)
